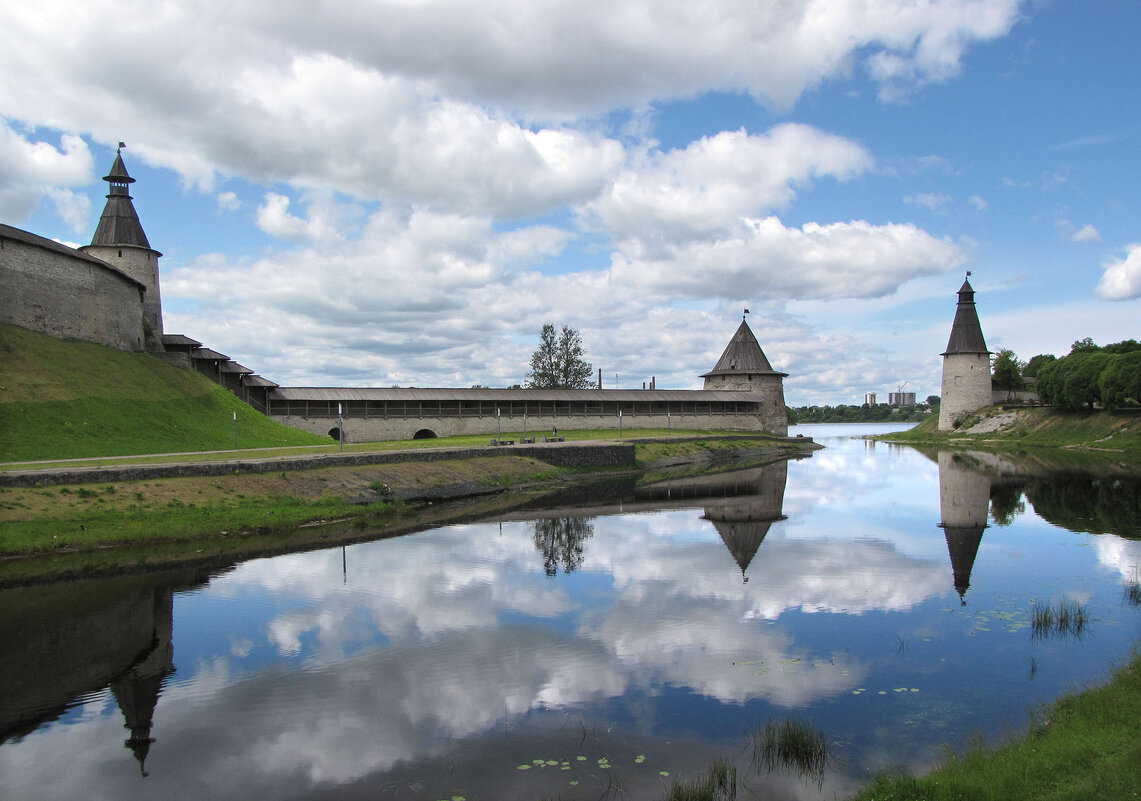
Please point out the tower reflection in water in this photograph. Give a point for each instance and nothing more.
(741, 504)
(964, 499)
(77, 639)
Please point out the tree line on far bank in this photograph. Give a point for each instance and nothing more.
(864, 413)
(1088, 376)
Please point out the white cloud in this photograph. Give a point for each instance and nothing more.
(324, 223)
(364, 98)
(718, 180)
(228, 201)
(762, 258)
(933, 202)
(31, 171)
(72, 207)
(429, 299)
(1122, 277)
(1087, 233)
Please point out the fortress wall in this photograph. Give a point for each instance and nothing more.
(774, 418)
(69, 296)
(141, 264)
(370, 429)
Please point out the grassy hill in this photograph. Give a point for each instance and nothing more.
(1036, 427)
(68, 399)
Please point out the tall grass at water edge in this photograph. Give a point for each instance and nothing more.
(1065, 619)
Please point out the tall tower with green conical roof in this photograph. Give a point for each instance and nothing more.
(120, 241)
(966, 364)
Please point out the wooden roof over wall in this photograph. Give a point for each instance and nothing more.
(549, 395)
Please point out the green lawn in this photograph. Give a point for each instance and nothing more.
(67, 399)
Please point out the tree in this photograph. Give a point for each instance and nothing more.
(1120, 383)
(562, 541)
(1006, 503)
(1007, 371)
(1049, 381)
(933, 400)
(1037, 363)
(1086, 345)
(1080, 387)
(1122, 347)
(557, 363)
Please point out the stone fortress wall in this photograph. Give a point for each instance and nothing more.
(57, 290)
(370, 429)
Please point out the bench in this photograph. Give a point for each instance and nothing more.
(503, 442)
(554, 439)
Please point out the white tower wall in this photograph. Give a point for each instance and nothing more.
(966, 387)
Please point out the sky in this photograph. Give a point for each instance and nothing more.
(402, 192)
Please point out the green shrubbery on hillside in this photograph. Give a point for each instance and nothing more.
(1090, 376)
(66, 399)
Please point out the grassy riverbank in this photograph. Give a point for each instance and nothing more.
(1034, 427)
(1085, 747)
(98, 527)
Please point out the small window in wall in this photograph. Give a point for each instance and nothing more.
(425, 433)
(120, 253)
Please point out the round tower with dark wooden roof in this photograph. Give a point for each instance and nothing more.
(120, 241)
(966, 364)
(744, 367)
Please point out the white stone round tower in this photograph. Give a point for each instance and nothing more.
(745, 368)
(120, 241)
(966, 364)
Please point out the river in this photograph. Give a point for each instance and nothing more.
(604, 647)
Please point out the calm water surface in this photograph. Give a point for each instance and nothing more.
(878, 594)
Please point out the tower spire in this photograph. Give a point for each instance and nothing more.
(120, 241)
(119, 224)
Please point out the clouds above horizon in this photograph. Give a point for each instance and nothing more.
(463, 105)
(410, 190)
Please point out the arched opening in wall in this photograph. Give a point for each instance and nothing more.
(425, 433)
(335, 433)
